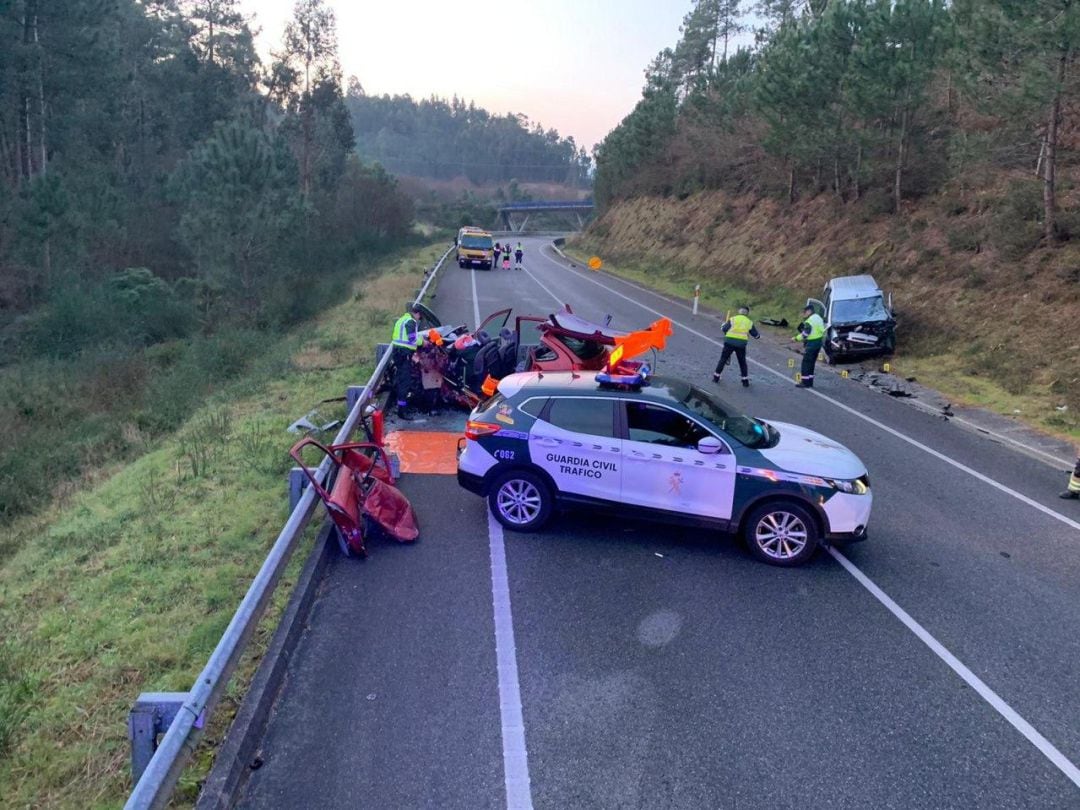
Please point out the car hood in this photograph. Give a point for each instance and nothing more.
(808, 453)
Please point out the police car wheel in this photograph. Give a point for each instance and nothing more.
(521, 500)
(782, 533)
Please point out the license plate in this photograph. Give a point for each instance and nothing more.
(860, 337)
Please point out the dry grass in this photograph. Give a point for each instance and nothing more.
(126, 584)
(975, 301)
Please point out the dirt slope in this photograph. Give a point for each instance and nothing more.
(978, 301)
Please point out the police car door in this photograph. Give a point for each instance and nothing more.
(664, 469)
(573, 440)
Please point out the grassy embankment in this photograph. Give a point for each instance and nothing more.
(126, 583)
(985, 327)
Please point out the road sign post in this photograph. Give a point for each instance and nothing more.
(697, 295)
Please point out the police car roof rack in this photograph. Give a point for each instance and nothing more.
(628, 375)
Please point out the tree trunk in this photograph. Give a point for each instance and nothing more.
(858, 170)
(900, 151)
(1050, 158)
(41, 100)
(210, 11)
(791, 183)
(836, 177)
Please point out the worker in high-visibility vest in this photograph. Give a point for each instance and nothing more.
(811, 335)
(737, 333)
(1073, 491)
(405, 340)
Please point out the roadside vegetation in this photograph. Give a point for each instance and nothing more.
(168, 205)
(928, 143)
(124, 582)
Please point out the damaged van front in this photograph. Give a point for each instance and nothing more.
(858, 317)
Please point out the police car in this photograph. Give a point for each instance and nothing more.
(662, 448)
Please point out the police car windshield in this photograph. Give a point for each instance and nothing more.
(744, 429)
(859, 310)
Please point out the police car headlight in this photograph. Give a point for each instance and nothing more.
(857, 487)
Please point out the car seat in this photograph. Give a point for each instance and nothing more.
(507, 351)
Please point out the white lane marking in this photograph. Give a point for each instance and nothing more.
(515, 757)
(970, 678)
(1056, 462)
(902, 436)
(475, 300)
(512, 722)
(1019, 723)
(543, 286)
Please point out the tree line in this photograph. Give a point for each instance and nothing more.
(168, 203)
(441, 139)
(148, 136)
(881, 99)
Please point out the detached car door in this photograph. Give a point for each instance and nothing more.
(663, 468)
(573, 441)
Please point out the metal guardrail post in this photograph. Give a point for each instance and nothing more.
(298, 482)
(154, 787)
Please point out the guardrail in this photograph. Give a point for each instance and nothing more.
(186, 712)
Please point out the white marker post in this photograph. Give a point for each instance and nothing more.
(697, 295)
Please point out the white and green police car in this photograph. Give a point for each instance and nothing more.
(660, 448)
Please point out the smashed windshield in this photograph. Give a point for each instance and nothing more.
(476, 242)
(745, 429)
(859, 310)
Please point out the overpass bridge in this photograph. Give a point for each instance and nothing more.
(515, 216)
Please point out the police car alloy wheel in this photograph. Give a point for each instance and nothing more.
(520, 500)
(781, 533)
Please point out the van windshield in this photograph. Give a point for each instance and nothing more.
(859, 310)
(476, 242)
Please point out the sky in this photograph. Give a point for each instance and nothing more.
(574, 65)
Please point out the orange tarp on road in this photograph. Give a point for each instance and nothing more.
(424, 452)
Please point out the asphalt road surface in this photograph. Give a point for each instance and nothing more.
(602, 664)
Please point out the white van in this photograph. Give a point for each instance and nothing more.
(858, 317)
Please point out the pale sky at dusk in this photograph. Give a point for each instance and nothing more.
(575, 65)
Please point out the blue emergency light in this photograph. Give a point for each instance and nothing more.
(627, 373)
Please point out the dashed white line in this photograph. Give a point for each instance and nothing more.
(515, 757)
(475, 300)
(512, 721)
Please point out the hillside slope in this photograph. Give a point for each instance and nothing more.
(975, 321)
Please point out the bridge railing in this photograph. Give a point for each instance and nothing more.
(564, 205)
(158, 780)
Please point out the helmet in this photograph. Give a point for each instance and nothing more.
(744, 310)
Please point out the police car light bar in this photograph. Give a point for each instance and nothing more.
(629, 372)
(620, 369)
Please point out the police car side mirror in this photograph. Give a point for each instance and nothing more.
(710, 446)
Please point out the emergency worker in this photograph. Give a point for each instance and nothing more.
(518, 253)
(1073, 491)
(811, 335)
(737, 332)
(495, 260)
(405, 340)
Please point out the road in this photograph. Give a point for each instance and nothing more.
(936, 664)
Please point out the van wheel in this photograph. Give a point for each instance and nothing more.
(521, 500)
(782, 533)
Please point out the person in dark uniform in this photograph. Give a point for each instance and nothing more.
(495, 260)
(518, 253)
(737, 332)
(811, 335)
